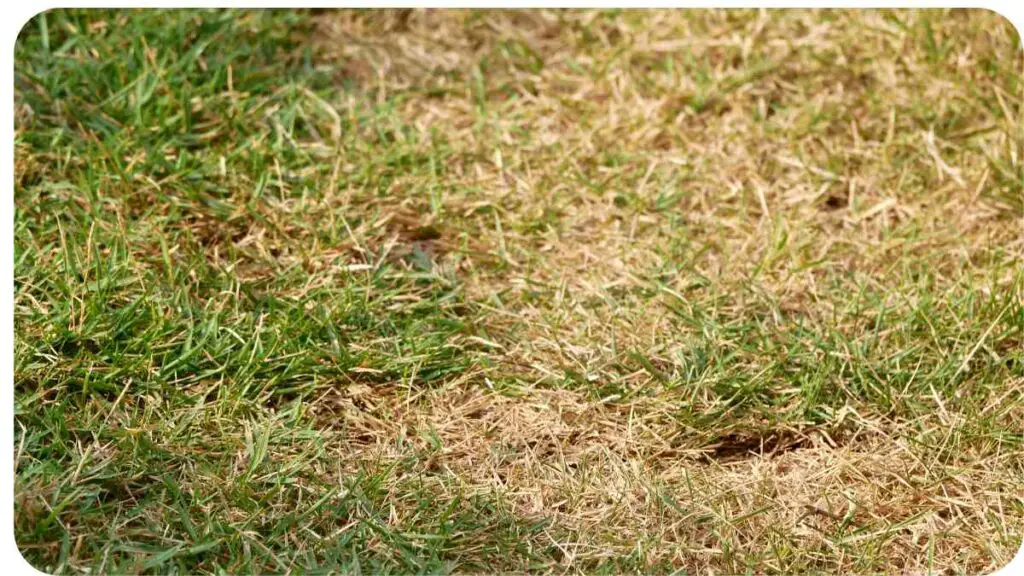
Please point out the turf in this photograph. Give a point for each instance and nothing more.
(560, 291)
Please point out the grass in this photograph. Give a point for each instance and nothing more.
(558, 291)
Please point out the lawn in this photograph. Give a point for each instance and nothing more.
(476, 291)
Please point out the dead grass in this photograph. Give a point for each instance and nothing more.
(758, 164)
(620, 479)
(788, 154)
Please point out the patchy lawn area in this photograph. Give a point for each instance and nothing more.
(479, 291)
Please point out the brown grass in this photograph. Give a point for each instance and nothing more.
(613, 478)
(836, 191)
(593, 189)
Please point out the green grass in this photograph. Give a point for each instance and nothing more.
(300, 292)
(161, 384)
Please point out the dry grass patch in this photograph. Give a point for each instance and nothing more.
(600, 153)
(719, 227)
(624, 480)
